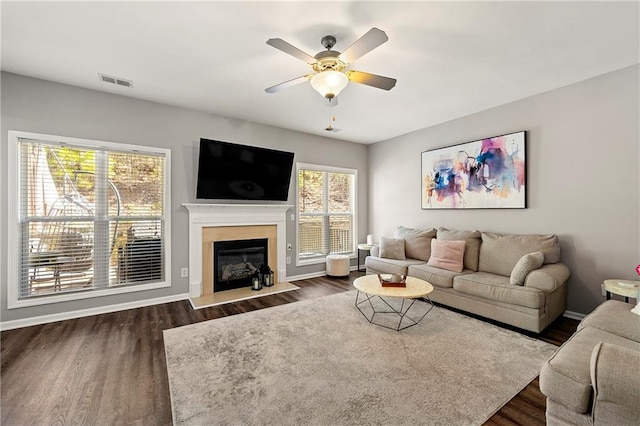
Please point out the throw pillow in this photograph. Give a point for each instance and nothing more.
(392, 248)
(417, 242)
(472, 247)
(636, 310)
(447, 255)
(527, 263)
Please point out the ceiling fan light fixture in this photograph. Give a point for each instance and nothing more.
(329, 83)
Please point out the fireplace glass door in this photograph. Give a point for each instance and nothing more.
(235, 262)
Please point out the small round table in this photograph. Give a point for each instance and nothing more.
(371, 287)
(363, 247)
(626, 288)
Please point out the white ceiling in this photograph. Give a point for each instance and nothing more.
(451, 59)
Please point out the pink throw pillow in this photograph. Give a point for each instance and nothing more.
(447, 255)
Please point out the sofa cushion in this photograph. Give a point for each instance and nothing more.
(447, 255)
(499, 253)
(392, 248)
(417, 242)
(614, 317)
(435, 276)
(527, 263)
(390, 266)
(498, 288)
(565, 377)
(472, 245)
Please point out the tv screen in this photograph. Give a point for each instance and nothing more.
(228, 171)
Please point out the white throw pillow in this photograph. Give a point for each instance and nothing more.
(392, 248)
(527, 263)
(636, 310)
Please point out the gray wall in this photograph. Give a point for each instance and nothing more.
(582, 178)
(44, 107)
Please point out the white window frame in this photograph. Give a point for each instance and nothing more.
(14, 229)
(330, 169)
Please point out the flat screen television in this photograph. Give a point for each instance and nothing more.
(229, 171)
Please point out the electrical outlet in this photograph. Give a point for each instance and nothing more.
(288, 260)
(289, 247)
(184, 272)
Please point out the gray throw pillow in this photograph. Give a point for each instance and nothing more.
(527, 263)
(417, 242)
(392, 248)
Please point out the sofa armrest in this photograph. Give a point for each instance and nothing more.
(549, 277)
(375, 251)
(616, 385)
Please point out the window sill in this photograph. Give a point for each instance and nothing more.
(89, 294)
(320, 260)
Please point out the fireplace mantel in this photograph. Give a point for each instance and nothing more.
(212, 215)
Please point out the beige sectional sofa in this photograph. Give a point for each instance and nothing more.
(486, 285)
(594, 377)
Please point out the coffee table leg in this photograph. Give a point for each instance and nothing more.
(367, 299)
(425, 299)
(402, 313)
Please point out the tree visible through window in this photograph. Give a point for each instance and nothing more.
(91, 217)
(326, 211)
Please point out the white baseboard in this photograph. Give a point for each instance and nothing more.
(315, 274)
(195, 289)
(44, 319)
(306, 276)
(573, 315)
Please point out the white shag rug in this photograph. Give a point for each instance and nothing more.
(319, 362)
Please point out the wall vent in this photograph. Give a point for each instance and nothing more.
(115, 80)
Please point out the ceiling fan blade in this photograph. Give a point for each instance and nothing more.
(282, 45)
(287, 84)
(373, 80)
(365, 44)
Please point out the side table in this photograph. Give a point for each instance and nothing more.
(363, 247)
(626, 288)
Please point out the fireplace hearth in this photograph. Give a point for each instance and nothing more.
(235, 262)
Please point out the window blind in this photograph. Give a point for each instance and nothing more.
(326, 211)
(90, 218)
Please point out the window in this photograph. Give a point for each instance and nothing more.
(90, 217)
(326, 203)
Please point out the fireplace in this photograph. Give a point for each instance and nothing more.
(236, 261)
(222, 222)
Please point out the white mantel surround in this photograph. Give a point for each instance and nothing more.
(209, 215)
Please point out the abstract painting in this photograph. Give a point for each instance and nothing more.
(484, 174)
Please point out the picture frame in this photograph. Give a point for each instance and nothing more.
(488, 173)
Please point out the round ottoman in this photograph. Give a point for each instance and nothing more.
(337, 265)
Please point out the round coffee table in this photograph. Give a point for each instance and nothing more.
(373, 292)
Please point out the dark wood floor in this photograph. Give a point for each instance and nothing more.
(110, 369)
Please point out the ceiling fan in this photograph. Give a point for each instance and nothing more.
(330, 77)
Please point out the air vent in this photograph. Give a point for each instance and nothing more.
(115, 80)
